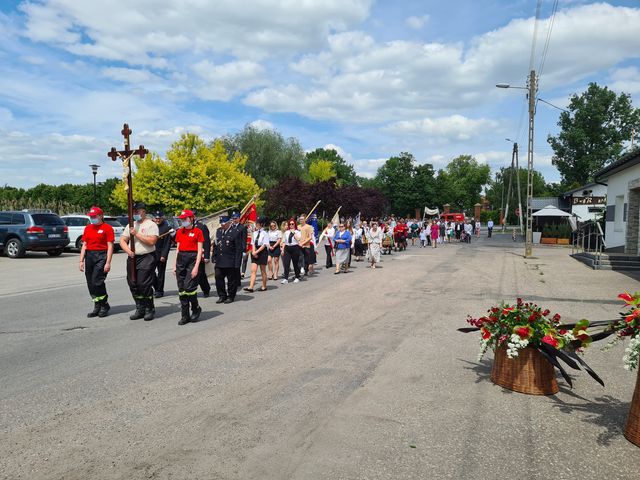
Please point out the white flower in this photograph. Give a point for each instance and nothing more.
(632, 354)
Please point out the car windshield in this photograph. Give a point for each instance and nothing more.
(46, 219)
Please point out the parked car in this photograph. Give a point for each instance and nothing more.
(32, 230)
(77, 222)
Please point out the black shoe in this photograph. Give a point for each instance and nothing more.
(229, 300)
(206, 294)
(196, 314)
(96, 310)
(158, 294)
(149, 311)
(139, 313)
(104, 310)
(221, 300)
(184, 320)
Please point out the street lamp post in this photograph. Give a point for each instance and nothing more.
(532, 89)
(94, 169)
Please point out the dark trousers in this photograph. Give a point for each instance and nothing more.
(490, 231)
(227, 289)
(203, 281)
(329, 251)
(187, 286)
(142, 288)
(161, 268)
(94, 261)
(291, 254)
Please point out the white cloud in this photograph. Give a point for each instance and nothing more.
(454, 128)
(626, 80)
(262, 125)
(358, 80)
(144, 33)
(417, 22)
(223, 82)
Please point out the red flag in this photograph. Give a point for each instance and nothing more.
(250, 215)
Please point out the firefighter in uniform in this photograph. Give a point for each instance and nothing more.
(189, 241)
(244, 233)
(95, 260)
(163, 245)
(229, 247)
(145, 236)
(203, 281)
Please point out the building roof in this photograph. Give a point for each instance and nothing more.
(538, 203)
(629, 159)
(583, 187)
(550, 211)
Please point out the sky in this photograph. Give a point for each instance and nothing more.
(370, 79)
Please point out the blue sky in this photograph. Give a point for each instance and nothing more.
(370, 79)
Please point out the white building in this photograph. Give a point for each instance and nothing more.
(622, 178)
(587, 202)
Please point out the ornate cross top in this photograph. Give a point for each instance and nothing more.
(127, 153)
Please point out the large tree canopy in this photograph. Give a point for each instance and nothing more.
(270, 157)
(194, 175)
(460, 184)
(593, 132)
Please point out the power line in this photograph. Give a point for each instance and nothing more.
(545, 49)
(535, 36)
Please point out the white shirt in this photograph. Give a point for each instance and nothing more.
(261, 237)
(147, 228)
(329, 234)
(274, 235)
(289, 239)
(490, 224)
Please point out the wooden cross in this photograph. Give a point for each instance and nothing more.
(126, 155)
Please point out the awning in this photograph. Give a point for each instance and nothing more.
(551, 211)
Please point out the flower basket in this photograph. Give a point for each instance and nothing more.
(632, 430)
(528, 373)
(548, 241)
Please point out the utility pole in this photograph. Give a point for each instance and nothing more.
(515, 152)
(506, 210)
(533, 90)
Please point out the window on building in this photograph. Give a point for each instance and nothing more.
(618, 224)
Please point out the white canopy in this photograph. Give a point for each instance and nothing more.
(551, 211)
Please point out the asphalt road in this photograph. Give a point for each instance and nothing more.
(356, 376)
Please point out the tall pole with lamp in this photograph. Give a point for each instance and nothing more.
(94, 169)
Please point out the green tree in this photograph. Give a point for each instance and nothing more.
(499, 187)
(592, 133)
(345, 173)
(461, 182)
(321, 170)
(194, 175)
(396, 180)
(270, 157)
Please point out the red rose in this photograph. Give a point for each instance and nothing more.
(545, 313)
(506, 311)
(556, 317)
(626, 298)
(562, 331)
(533, 317)
(523, 332)
(519, 301)
(550, 340)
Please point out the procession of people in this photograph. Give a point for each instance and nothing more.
(239, 240)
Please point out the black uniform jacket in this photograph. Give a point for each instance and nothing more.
(228, 248)
(163, 245)
(206, 246)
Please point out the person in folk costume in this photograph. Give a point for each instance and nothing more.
(259, 255)
(145, 234)
(95, 260)
(374, 243)
(186, 268)
(342, 241)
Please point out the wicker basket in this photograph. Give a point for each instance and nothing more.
(632, 430)
(528, 373)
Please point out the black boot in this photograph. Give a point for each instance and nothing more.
(185, 313)
(150, 310)
(139, 313)
(96, 310)
(196, 310)
(104, 309)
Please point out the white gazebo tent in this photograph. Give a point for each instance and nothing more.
(548, 211)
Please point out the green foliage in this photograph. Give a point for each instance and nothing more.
(499, 187)
(345, 174)
(321, 170)
(461, 182)
(486, 215)
(593, 132)
(396, 179)
(269, 156)
(194, 175)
